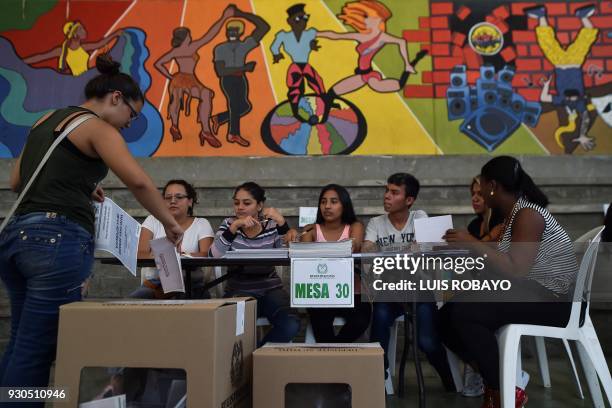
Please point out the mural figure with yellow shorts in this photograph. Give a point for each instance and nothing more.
(73, 54)
(184, 83)
(569, 84)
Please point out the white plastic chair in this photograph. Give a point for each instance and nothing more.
(589, 348)
(541, 347)
(392, 355)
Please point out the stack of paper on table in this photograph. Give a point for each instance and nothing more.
(280, 253)
(335, 249)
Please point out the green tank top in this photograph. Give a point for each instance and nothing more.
(65, 184)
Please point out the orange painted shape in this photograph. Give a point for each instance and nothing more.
(199, 17)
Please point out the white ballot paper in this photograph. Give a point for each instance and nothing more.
(432, 229)
(168, 263)
(117, 233)
(308, 215)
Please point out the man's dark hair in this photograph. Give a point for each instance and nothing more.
(410, 183)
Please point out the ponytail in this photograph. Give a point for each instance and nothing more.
(530, 191)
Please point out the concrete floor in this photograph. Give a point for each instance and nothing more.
(562, 394)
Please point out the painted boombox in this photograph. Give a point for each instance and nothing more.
(491, 110)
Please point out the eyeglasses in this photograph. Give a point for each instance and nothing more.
(133, 112)
(304, 17)
(177, 197)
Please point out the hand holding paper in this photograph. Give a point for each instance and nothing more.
(117, 233)
(168, 263)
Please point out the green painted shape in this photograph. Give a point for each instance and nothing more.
(14, 16)
(338, 144)
(284, 110)
(128, 52)
(12, 107)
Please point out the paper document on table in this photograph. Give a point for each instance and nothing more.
(432, 229)
(272, 253)
(117, 232)
(308, 215)
(332, 249)
(168, 263)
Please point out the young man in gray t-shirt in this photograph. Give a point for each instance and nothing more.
(394, 231)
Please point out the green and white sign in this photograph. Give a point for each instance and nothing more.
(322, 282)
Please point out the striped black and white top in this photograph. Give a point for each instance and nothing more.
(254, 280)
(555, 265)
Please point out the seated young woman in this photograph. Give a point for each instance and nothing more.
(180, 197)
(487, 225)
(255, 226)
(336, 221)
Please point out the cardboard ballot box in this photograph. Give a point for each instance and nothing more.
(321, 375)
(211, 340)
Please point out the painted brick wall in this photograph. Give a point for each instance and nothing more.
(449, 48)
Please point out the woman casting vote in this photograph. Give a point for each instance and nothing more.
(534, 251)
(46, 250)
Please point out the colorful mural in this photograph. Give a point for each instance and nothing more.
(322, 77)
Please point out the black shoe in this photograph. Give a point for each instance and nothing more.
(535, 12)
(585, 12)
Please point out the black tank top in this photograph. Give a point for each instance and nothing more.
(65, 184)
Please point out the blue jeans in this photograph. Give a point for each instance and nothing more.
(429, 339)
(44, 260)
(383, 317)
(274, 306)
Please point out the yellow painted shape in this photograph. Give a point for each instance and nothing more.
(314, 145)
(392, 127)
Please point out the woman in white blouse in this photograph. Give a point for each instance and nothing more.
(180, 197)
